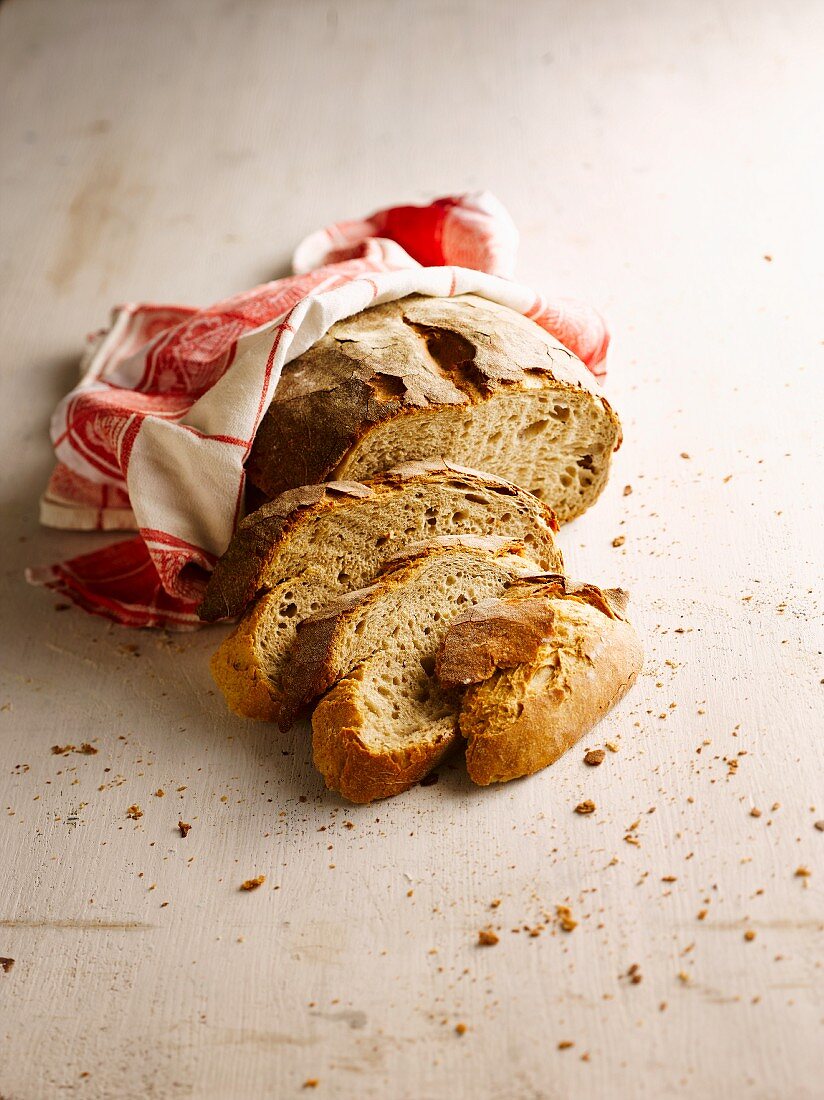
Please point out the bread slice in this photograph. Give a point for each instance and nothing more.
(428, 378)
(294, 555)
(544, 663)
(386, 721)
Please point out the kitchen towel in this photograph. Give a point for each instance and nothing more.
(155, 435)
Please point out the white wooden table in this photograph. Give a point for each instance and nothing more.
(660, 159)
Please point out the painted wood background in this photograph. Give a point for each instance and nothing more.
(661, 159)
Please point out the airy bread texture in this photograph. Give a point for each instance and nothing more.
(461, 379)
(545, 662)
(294, 555)
(387, 721)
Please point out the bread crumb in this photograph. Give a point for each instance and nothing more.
(487, 938)
(627, 490)
(494, 903)
(749, 935)
(755, 812)
(565, 1044)
(62, 750)
(684, 454)
(634, 974)
(310, 1083)
(619, 540)
(802, 872)
(134, 812)
(594, 757)
(702, 914)
(160, 793)
(6, 964)
(253, 883)
(819, 825)
(612, 746)
(184, 827)
(87, 749)
(585, 807)
(460, 1029)
(565, 918)
(683, 976)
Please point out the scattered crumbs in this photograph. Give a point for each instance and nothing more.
(634, 974)
(749, 935)
(619, 540)
(430, 780)
(62, 750)
(684, 454)
(585, 807)
(612, 746)
(253, 883)
(802, 872)
(702, 914)
(627, 490)
(6, 964)
(460, 1029)
(494, 903)
(310, 1083)
(349, 824)
(86, 749)
(184, 827)
(134, 812)
(487, 938)
(565, 918)
(160, 793)
(594, 757)
(565, 1044)
(755, 812)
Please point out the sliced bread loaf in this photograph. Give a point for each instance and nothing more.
(387, 721)
(295, 554)
(427, 378)
(544, 662)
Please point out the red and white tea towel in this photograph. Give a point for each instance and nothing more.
(155, 435)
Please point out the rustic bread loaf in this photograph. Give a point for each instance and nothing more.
(545, 662)
(309, 545)
(386, 721)
(458, 378)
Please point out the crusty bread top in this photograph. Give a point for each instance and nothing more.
(238, 574)
(411, 354)
(313, 665)
(509, 630)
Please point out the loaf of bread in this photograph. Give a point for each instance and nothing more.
(294, 555)
(386, 720)
(544, 662)
(462, 379)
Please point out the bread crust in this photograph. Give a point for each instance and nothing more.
(521, 715)
(414, 355)
(350, 767)
(239, 573)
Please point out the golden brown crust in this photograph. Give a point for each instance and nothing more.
(237, 671)
(357, 772)
(411, 355)
(524, 718)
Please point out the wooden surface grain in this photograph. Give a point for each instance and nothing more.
(660, 159)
